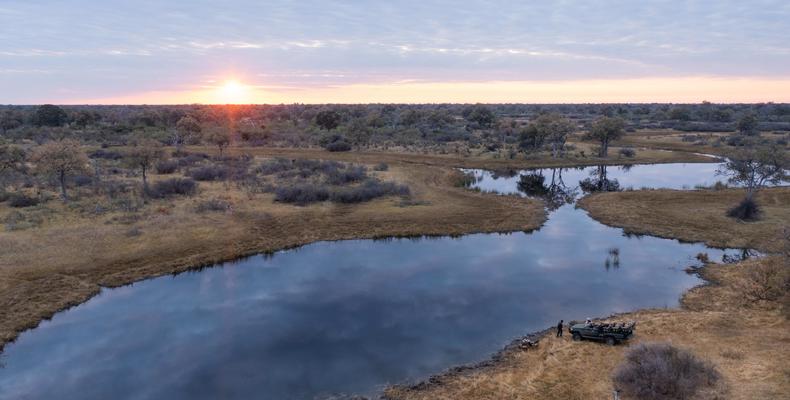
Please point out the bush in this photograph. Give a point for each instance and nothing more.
(301, 193)
(381, 167)
(660, 371)
(344, 176)
(173, 186)
(82, 180)
(213, 205)
(747, 210)
(20, 200)
(106, 154)
(338, 146)
(271, 167)
(768, 280)
(368, 190)
(209, 173)
(4, 196)
(627, 152)
(166, 167)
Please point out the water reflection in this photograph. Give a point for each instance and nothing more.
(347, 317)
(599, 181)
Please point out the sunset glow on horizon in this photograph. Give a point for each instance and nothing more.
(415, 52)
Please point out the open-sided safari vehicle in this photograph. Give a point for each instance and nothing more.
(609, 332)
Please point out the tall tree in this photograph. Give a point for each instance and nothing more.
(49, 115)
(551, 128)
(143, 155)
(61, 158)
(755, 167)
(606, 130)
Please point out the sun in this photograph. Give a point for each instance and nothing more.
(233, 92)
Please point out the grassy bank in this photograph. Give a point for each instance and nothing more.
(725, 321)
(694, 216)
(65, 260)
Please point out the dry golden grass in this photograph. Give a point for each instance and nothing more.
(748, 344)
(698, 215)
(65, 260)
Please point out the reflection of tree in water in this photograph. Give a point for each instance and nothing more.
(613, 258)
(598, 182)
(736, 258)
(555, 193)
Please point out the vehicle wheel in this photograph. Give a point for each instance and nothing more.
(577, 337)
(610, 341)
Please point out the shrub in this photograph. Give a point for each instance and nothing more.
(209, 173)
(381, 167)
(173, 186)
(4, 196)
(368, 190)
(660, 371)
(301, 193)
(82, 180)
(213, 205)
(768, 280)
(106, 154)
(20, 200)
(271, 167)
(338, 146)
(627, 152)
(746, 210)
(166, 167)
(348, 175)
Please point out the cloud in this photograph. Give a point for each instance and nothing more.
(156, 45)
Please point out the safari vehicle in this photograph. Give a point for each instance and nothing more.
(609, 332)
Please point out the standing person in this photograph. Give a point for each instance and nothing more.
(559, 329)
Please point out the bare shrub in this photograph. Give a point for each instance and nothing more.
(345, 176)
(381, 167)
(660, 371)
(214, 205)
(768, 280)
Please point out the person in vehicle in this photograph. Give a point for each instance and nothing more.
(559, 329)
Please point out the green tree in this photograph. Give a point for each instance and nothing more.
(747, 125)
(480, 114)
(551, 128)
(143, 155)
(61, 158)
(10, 119)
(606, 130)
(12, 158)
(186, 127)
(49, 115)
(218, 136)
(327, 119)
(755, 167)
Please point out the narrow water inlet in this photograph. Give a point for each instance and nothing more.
(351, 317)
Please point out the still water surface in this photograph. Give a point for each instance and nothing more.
(351, 317)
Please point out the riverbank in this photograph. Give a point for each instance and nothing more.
(65, 262)
(722, 321)
(71, 251)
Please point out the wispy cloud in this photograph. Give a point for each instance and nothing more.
(118, 45)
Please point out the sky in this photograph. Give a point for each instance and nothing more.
(409, 51)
